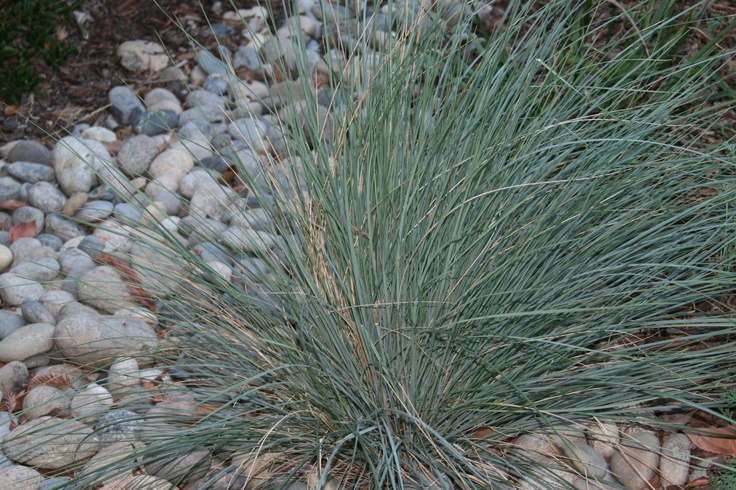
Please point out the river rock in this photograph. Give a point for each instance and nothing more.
(197, 145)
(43, 269)
(210, 201)
(45, 400)
(46, 197)
(118, 425)
(76, 309)
(75, 263)
(602, 435)
(94, 212)
(125, 104)
(252, 131)
(248, 241)
(146, 482)
(605, 483)
(585, 460)
(90, 404)
(31, 172)
(29, 214)
(210, 64)
(27, 249)
(34, 312)
(20, 477)
(97, 340)
(29, 340)
(63, 228)
(126, 214)
(13, 377)
(171, 162)
(115, 184)
(199, 230)
(674, 465)
(9, 323)
(209, 252)
(75, 202)
(165, 184)
(162, 99)
(6, 258)
(113, 461)
(182, 412)
(159, 270)
(229, 479)
(91, 245)
(50, 443)
(155, 122)
(57, 483)
(51, 241)
(280, 52)
(15, 289)
(140, 55)
(136, 154)
(123, 377)
(9, 188)
(255, 465)
(256, 219)
(54, 300)
(637, 459)
(74, 166)
(187, 468)
(247, 57)
(536, 444)
(29, 151)
(98, 133)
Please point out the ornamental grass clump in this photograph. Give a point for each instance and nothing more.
(490, 229)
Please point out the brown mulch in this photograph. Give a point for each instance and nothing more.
(77, 93)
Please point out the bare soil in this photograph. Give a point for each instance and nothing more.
(78, 91)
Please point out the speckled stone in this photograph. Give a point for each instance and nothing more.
(17, 477)
(46, 197)
(90, 404)
(118, 425)
(31, 172)
(64, 442)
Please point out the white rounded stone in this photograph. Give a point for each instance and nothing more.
(91, 403)
(142, 55)
(171, 162)
(123, 377)
(674, 465)
(100, 134)
(6, 258)
(603, 436)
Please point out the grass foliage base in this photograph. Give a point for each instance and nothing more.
(495, 236)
